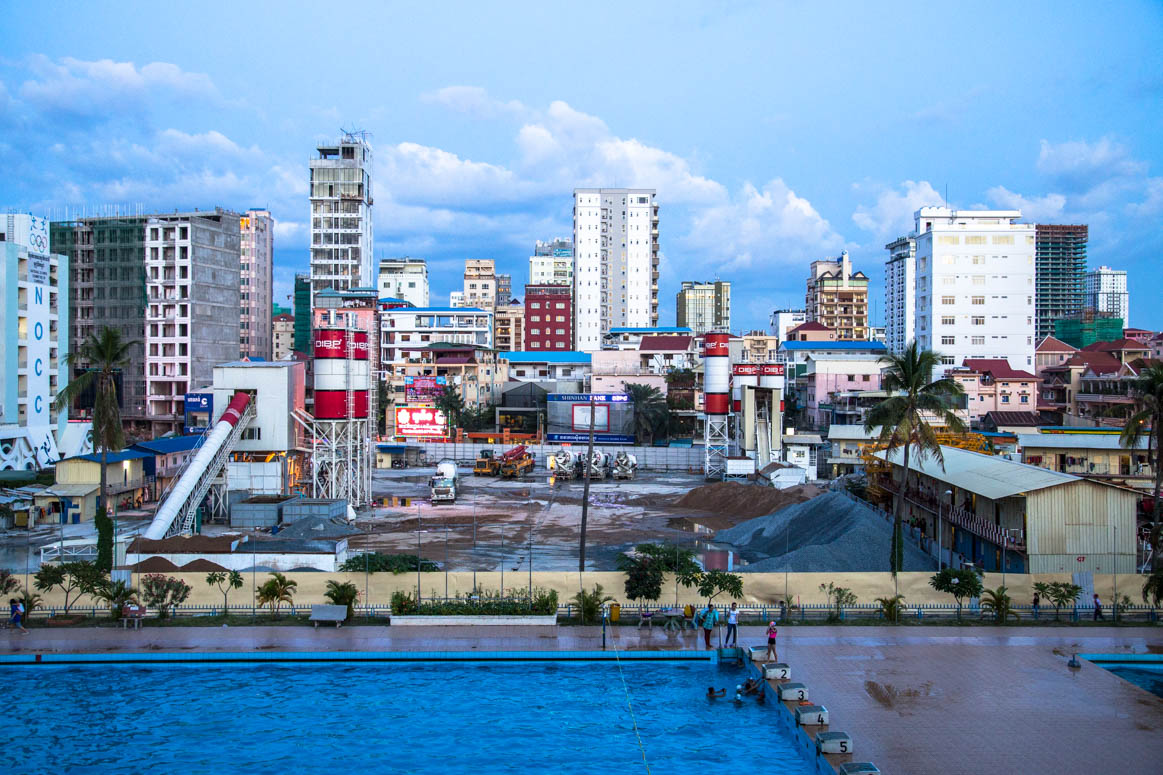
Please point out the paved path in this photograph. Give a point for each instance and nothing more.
(915, 699)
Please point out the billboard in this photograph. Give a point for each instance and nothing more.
(569, 418)
(199, 409)
(424, 421)
(421, 390)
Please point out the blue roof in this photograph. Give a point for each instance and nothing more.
(440, 309)
(390, 300)
(113, 457)
(857, 346)
(393, 448)
(655, 330)
(549, 356)
(169, 444)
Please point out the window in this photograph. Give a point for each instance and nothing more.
(948, 340)
(948, 320)
(946, 360)
(1005, 399)
(978, 260)
(949, 280)
(978, 301)
(535, 331)
(851, 377)
(535, 305)
(252, 434)
(978, 320)
(948, 239)
(979, 279)
(978, 239)
(947, 300)
(977, 340)
(948, 260)
(1003, 239)
(1025, 399)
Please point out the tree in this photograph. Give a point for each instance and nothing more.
(8, 583)
(164, 592)
(395, 564)
(913, 394)
(116, 594)
(451, 403)
(342, 593)
(1147, 421)
(79, 578)
(275, 591)
(1153, 589)
(1062, 593)
(838, 598)
(101, 356)
(997, 602)
(891, 607)
(650, 410)
(671, 559)
(960, 584)
(712, 583)
(590, 604)
(225, 581)
(643, 578)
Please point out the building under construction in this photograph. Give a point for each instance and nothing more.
(1059, 274)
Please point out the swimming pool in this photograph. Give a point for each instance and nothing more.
(469, 717)
(1143, 670)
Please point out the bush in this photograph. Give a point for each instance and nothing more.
(344, 594)
(590, 603)
(515, 602)
(386, 563)
(164, 592)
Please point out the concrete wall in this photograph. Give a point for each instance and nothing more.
(649, 458)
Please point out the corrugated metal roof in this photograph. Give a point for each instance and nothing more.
(986, 475)
(169, 444)
(1075, 441)
(113, 457)
(803, 438)
(70, 490)
(654, 330)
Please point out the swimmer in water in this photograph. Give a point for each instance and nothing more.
(714, 695)
(753, 686)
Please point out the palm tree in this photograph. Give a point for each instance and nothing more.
(1148, 421)
(913, 394)
(275, 591)
(650, 410)
(102, 355)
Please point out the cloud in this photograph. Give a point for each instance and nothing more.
(417, 173)
(473, 101)
(1044, 208)
(105, 87)
(1079, 165)
(891, 215)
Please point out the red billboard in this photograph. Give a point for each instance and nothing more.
(420, 421)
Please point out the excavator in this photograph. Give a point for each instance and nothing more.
(487, 463)
(515, 462)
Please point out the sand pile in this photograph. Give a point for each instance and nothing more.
(827, 533)
(744, 499)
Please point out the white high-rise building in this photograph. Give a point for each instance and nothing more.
(900, 293)
(257, 234)
(1106, 291)
(784, 320)
(975, 285)
(551, 263)
(615, 262)
(341, 217)
(404, 278)
(480, 283)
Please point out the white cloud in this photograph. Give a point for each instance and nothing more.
(106, 87)
(473, 101)
(423, 174)
(1044, 208)
(891, 215)
(1152, 204)
(290, 231)
(1082, 165)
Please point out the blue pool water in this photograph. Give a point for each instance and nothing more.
(1145, 675)
(337, 718)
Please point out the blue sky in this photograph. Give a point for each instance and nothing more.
(774, 133)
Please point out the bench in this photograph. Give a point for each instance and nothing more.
(131, 613)
(328, 613)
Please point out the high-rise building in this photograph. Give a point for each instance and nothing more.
(456, 299)
(1106, 293)
(548, 317)
(900, 293)
(34, 343)
(106, 288)
(704, 307)
(837, 297)
(283, 336)
(509, 327)
(192, 289)
(551, 263)
(480, 283)
(404, 278)
(975, 285)
(1059, 274)
(784, 320)
(341, 215)
(504, 290)
(302, 313)
(615, 263)
(257, 231)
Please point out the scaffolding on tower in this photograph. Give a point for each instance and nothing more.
(716, 384)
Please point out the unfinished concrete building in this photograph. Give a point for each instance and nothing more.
(257, 231)
(341, 217)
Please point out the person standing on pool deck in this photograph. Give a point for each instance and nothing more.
(1097, 608)
(732, 638)
(710, 619)
(772, 632)
(18, 614)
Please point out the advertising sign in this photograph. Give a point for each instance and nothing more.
(38, 269)
(420, 421)
(420, 390)
(199, 408)
(568, 418)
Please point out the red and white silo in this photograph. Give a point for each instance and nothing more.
(743, 375)
(771, 375)
(337, 370)
(716, 402)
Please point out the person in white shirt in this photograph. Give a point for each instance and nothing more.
(732, 638)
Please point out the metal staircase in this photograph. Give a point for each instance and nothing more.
(184, 521)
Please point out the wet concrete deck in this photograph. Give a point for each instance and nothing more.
(915, 699)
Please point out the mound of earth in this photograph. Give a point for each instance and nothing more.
(744, 499)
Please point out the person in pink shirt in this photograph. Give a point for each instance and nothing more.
(772, 632)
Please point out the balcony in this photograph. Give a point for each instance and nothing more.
(955, 515)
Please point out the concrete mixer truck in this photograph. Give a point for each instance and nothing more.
(443, 482)
(565, 464)
(625, 465)
(599, 463)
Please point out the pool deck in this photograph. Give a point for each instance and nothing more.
(915, 699)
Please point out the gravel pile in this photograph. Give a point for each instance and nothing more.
(827, 533)
(744, 499)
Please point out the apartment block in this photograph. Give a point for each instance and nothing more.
(283, 336)
(404, 278)
(837, 297)
(1059, 274)
(615, 264)
(341, 215)
(1106, 293)
(704, 307)
(509, 327)
(504, 290)
(34, 343)
(975, 285)
(900, 293)
(548, 317)
(480, 283)
(302, 313)
(552, 263)
(784, 320)
(257, 235)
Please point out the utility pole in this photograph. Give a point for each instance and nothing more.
(581, 557)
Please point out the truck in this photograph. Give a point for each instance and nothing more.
(443, 483)
(565, 464)
(625, 465)
(515, 462)
(487, 463)
(599, 462)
